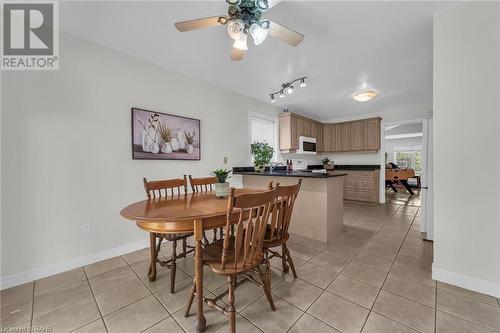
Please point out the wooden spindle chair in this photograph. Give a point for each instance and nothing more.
(162, 189)
(242, 253)
(277, 231)
(206, 184)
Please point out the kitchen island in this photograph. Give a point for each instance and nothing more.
(318, 211)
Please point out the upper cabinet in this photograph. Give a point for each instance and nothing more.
(357, 138)
(343, 137)
(371, 134)
(293, 126)
(329, 140)
(353, 136)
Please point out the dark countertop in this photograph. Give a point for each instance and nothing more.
(281, 171)
(284, 173)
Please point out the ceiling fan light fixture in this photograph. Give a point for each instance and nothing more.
(263, 5)
(302, 82)
(236, 29)
(364, 96)
(289, 90)
(272, 98)
(281, 94)
(258, 33)
(241, 44)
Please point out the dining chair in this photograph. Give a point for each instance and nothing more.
(242, 253)
(157, 190)
(277, 231)
(201, 185)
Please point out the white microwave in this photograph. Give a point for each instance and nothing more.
(306, 145)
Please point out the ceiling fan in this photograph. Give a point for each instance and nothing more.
(245, 17)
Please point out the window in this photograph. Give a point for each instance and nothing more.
(408, 158)
(264, 129)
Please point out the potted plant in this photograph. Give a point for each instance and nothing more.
(190, 141)
(221, 187)
(327, 163)
(166, 135)
(262, 154)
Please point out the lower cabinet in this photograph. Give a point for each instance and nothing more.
(362, 186)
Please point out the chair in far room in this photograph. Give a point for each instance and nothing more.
(159, 190)
(277, 230)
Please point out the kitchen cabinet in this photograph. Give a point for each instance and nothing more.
(371, 134)
(343, 137)
(352, 136)
(293, 126)
(357, 131)
(362, 186)
(329, 141)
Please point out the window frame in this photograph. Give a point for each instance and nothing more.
(275, 121)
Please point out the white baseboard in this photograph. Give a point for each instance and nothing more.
(41, 272)
(467, 282)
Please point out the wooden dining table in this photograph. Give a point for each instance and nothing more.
(184, 213)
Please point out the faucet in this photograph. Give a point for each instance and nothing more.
(273, 165)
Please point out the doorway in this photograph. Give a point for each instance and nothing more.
(408, 173)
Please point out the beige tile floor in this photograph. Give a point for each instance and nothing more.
(374, 278)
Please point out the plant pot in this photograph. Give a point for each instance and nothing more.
(166, 148)
(221, 190)
(189, 148)
(259, 168)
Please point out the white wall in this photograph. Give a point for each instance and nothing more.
(66, 150)
(467, 146)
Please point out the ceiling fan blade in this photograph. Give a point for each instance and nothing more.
(200, 23)
(237, 54)
(285, 34)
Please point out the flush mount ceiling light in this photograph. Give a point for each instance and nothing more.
(288, 88)
(364, 96)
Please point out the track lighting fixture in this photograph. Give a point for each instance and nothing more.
(288, 88)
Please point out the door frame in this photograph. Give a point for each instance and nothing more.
(426, 177)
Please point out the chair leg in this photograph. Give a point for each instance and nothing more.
(214, 239)
(230, 299)
(184, 246)
(266, 282)
(154, 257)
(191, 299)
(290, 261)
(173, 267)
(283, 259)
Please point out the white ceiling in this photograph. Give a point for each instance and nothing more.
(385, 45)
(405, 129)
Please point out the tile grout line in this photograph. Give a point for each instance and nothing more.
(435, 308)
(390, 268)
(156, 297)
(95, 301)
(347, 263)
(32, 306)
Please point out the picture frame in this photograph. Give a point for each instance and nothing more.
(162, 136)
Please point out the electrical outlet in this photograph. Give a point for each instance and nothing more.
(86, 227)
(225, 159)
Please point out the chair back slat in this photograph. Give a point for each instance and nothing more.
(204, 184)
(170, 187)
(254, 210)
(283, 209)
